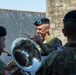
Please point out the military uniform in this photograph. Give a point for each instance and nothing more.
(50, 44)
(64, 62)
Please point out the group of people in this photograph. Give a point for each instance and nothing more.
(64, 62)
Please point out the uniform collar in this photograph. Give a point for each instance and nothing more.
(70, 44)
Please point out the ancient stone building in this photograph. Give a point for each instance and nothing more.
(55, 11)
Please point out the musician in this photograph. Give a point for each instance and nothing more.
(4, 70)
(45, 40)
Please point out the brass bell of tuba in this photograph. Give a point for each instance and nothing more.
(26, 55)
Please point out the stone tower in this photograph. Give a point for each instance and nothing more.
(55, 11)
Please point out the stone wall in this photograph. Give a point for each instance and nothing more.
(55, 11)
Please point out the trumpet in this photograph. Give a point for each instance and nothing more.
(8, 54)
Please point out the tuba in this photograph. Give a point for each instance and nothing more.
(26, 58)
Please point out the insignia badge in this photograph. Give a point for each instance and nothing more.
(39, 22)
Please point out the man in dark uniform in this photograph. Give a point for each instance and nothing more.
(45, 40)
(4, 70)
(65, 62)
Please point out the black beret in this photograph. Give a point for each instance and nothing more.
(2, 31)
(42, 21)
(70, 16)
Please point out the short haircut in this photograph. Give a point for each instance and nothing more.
(70, 23)
(70, 28)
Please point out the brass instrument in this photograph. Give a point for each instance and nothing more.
(11, 64)
(13, 67)
(26, 57)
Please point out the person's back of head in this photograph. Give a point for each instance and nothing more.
(70, 24)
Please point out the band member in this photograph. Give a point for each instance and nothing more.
(45, 40)
(65, 62)
(4, 70)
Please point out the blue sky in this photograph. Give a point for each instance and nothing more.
(24, 5)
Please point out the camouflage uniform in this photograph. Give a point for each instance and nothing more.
(65, 61)
(50, 44)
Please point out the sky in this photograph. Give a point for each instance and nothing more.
(24, 5)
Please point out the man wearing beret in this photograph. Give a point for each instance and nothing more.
(65, 62)
(3, 67)
(46, 42)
